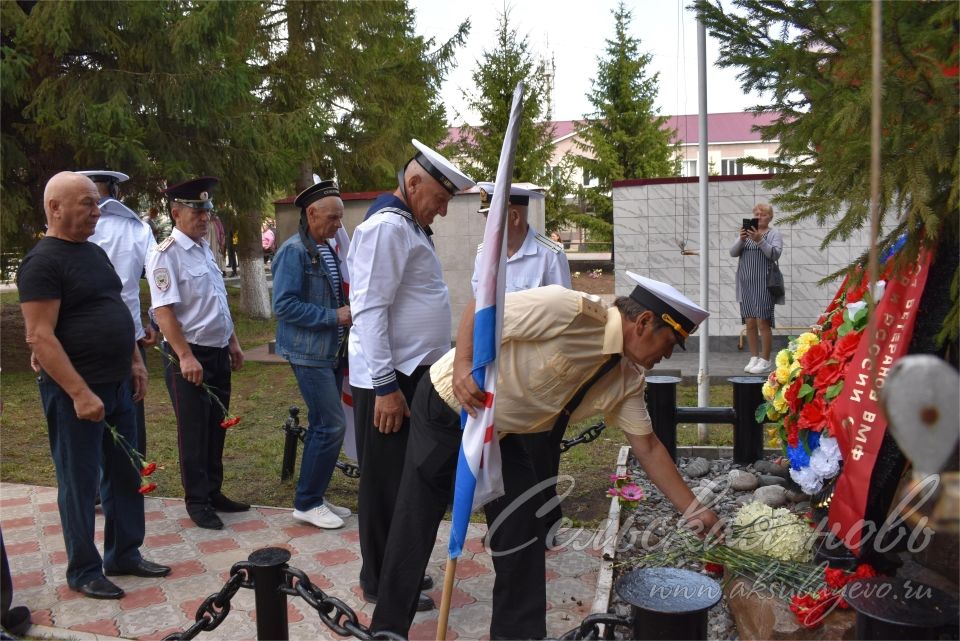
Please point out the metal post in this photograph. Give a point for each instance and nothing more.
(668, 603)
(291, 428)
(662, 405)
(897, 608)
(703, 373)
(271, 602)
(747, 432)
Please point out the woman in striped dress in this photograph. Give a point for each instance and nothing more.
(757, 248)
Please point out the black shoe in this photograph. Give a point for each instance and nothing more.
(427, 583)
(222, 504)
(100, 588)
(424, 602)
(17, 620)
(206, 518)
(142, 568)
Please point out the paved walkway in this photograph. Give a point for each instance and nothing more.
(154, 608)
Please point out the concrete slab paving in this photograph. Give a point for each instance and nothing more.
(201, 561)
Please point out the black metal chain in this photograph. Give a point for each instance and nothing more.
(589, 628)
(587, 435)
(334, 613)
(351, 470)
(216, 607)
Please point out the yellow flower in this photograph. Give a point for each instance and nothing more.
(780, 403)
(768, 391)
(808, 338)
(783, 374)
(772, 414)
(801, 350)
(783, 358)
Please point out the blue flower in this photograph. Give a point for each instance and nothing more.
(813, 440)
(798, 456)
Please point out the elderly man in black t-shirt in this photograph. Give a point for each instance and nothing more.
(82, 335)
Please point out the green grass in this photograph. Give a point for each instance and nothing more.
(261, 395)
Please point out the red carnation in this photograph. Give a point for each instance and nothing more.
(149, 469)
(864, 571)
(146, 488)
(836, 579)
(227, 423)
(846, 347)
(790, 424)
(792, 396)
(828, 375)
(713, 568)
(816, 356)
(813, 415)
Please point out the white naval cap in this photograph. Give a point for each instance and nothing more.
(519, 196)
(442, 170)
(675, 309)
(103, 175)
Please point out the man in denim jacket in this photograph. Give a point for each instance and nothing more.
(313, 316)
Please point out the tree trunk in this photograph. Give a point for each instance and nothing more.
(254, 293)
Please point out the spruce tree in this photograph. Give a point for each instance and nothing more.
(813, 61)
(624, 136)
(498, 73)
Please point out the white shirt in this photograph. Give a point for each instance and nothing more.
(183, 273)
(398, 299)
(127, 241)
(538, 262)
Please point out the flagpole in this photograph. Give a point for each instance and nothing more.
(465, 497)
(448, 577)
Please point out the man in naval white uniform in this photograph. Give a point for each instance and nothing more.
(127, 241)
(533, 260)
(401, 326)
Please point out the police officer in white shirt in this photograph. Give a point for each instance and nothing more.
(401, 326)
(127, 241)
(533, 260)
(190, 304)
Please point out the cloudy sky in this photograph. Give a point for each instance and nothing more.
(574, 32)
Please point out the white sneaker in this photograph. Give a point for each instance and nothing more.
(762, 367)
(320, 516)
(751, 364)
(342, 512)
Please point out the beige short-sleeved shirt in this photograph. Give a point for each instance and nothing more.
(554, 339)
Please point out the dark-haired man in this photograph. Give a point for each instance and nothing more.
(190, 304)
(563, 358)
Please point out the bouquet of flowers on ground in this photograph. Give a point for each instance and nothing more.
(771, 548)
(625, 488)
(808, 376)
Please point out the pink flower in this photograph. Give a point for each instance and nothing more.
(613, 492)
(631, 492)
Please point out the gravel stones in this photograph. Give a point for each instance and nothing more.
(697, 467)
(771, 479)
(772, 495)
(742, 481)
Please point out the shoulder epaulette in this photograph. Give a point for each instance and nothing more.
(593, 307)
(165, 244)
(553, 246)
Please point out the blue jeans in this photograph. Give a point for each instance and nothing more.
(320, 388)
(84, 454)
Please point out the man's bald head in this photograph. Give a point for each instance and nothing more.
(70, 203)
(425, 197)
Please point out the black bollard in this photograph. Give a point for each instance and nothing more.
(894, 608)
(271, 602)
(291, 428)
(668, 603)
(747, 433)
(662, 404)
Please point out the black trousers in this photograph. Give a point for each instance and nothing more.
(381, 464)
(200, 438)
(544, 451)
(515, 536)
(140, 414)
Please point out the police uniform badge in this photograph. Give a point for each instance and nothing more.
(161, 278)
